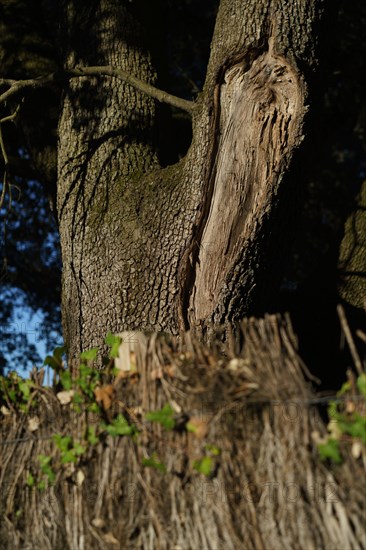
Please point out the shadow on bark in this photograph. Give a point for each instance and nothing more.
(246, 411)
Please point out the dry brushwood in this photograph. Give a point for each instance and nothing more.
(248, 407)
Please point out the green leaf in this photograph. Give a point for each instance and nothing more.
(79, 449)
(77, 398)
(119, 426)
(12, 395)
(361, 384)
(93, 408)
(191, 427)
(62, 442)
(204, 465)
(91, 436)
(113, 341)
(85, 372)
(215, 451)
(163, 417)
(333, 412)
(90, 354)
(68, 457)
(330, 450)
(356, 427)
(44, 460)
(30, 480)
(59, 352)
(344, 389)
(25, 388)
(153, 462)
(66, 380)
(51, 362)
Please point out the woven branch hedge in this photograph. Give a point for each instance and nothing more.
(240, 468)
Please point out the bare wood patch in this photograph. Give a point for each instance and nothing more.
(261, 112)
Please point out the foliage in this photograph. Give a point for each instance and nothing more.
(163, 417)
(83, 392)
(154, 462)
(347, 422)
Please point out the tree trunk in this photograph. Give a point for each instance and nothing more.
(187, 246)
(352, 256)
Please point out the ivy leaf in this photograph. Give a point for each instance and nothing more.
(30, 480)
(51, 362)
(77, 398)
(59, 352)
(25, 388)
(68, 457)
(361, 384)
(78, 448)
(345, 388)
(91, 436)
(85, 371)
(66, 380)
(113, 341)
(62, 442)
(215, 451)
(204, 465)
(163, 417)
(119, 426)
(90, 354)
(153, 462)
(45, 462)
(356, 428)
(330, 450)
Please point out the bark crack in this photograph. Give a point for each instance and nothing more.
(258, 110)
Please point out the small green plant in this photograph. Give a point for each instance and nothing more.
(114, 342)
(347, 421)
(330, 450)
(17, 392)
(154, 462)
(165, 417)
(30, 481)
(119, 426)
(204, 465)
(207, 464)
(47, 470)
(55, 360)
(91, 390)
(70, 450)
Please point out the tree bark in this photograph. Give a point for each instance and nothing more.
(352, 255)
(188, 246)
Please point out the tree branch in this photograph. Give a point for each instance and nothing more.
(15, 86)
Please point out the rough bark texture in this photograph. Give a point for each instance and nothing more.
(184, 246)
(352, 256)
(106, 133)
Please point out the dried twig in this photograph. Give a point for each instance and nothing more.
(16, 86)
(349, 338)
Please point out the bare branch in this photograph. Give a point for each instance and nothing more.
(15, 86)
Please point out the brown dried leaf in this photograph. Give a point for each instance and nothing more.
(105, 395)
(33, 423)
(109, 538)
(198, 427)
(156, 374)
(65, 397)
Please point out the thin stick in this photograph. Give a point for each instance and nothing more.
(350, 341)
(15, 86)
